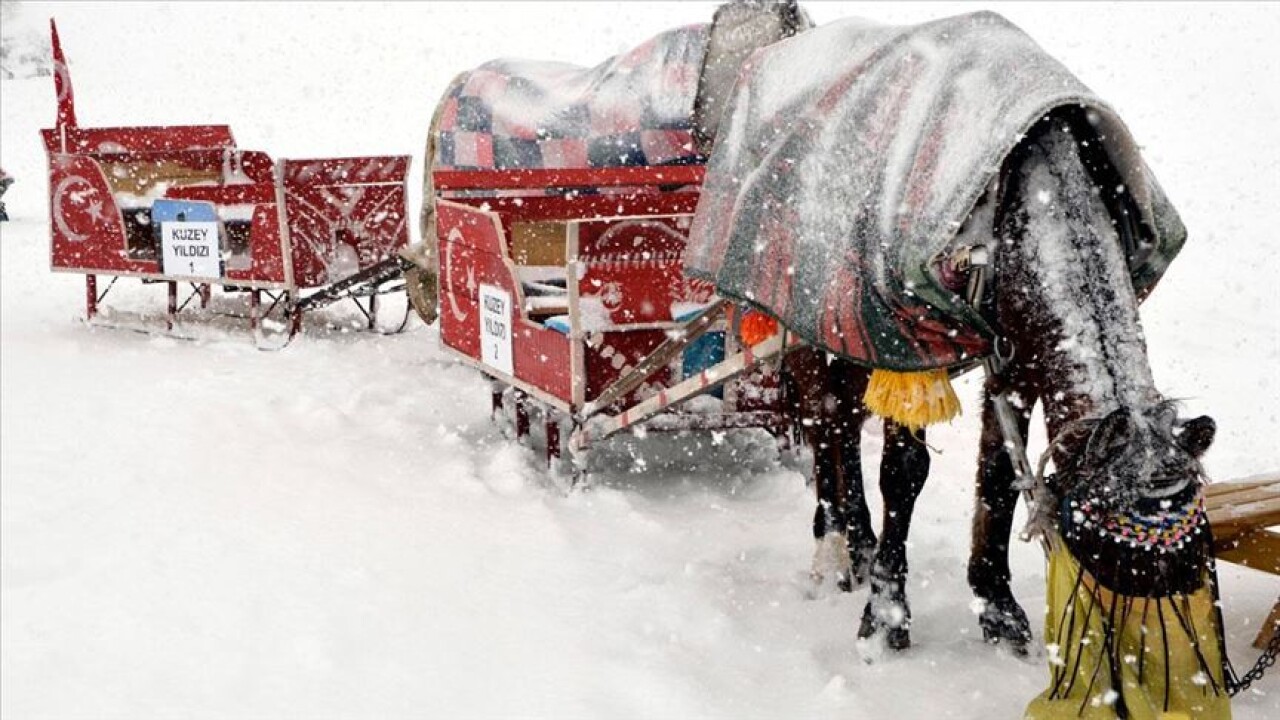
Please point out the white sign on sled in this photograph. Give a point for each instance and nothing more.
(190, 249)
(495, 328)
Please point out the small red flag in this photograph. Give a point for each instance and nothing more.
(62, 82)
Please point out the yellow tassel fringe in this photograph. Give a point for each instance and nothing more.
(1162, 659)
(912, 399)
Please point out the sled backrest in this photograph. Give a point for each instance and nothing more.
(343, 214)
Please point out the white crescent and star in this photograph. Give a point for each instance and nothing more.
(458, 314)
(64, 190)
(64, 76)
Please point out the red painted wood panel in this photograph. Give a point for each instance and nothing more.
(472, 254)
(542, 178)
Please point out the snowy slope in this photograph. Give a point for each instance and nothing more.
(200, 529)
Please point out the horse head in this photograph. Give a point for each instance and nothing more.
(1126, 491)
(1128, 498)
(1143, 456)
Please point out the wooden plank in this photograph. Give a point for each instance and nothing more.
(1269, 628)
(604, 426)
(1220, 494)
(541, 178)
(1259, 549)
(658, 358)
(1239, 513)
(1230, 486)
(1233, 520)
(539, 243)
(139, 177)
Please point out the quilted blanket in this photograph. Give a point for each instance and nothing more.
(850, 156)
(633, 109)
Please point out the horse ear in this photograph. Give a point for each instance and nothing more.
(1197, 434)
(1111, 435)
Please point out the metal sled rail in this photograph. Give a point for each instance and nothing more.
(365, 282)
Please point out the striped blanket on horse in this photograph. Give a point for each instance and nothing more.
(850, 156)
(633, 109)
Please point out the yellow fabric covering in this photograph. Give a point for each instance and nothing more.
(912, 399)
(1080, 677)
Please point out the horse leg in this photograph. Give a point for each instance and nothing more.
(831, 555)
(904, 467)
(1001, 618)
(849, 385)
(841, 523)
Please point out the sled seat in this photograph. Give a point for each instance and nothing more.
(545, 288)
(1243, 515)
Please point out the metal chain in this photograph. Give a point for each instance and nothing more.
(1265, 662)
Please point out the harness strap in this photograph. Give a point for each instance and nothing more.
(1025, 479)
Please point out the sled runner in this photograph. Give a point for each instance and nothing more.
(184, 206)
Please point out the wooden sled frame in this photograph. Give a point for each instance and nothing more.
(1242, 514)
(484, 221)
(270, 228)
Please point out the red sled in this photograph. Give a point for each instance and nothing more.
(182, 205)
(565, 287)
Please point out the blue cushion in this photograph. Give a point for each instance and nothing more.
(165, 210)
(703, 353)
(559, 323)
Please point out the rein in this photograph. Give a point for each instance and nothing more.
(978, 262)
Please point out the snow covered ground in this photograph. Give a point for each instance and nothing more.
(201, 529)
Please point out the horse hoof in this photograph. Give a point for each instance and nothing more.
(860, 559)
(890, 624)
(1018, 646)
(831, 559)
(1003, 622)
(857, 573)
(897, 638)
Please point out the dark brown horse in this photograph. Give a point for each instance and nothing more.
(1062, 296)
(1065, 234)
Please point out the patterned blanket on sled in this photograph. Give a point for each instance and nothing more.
(847, 160)
(633, 109)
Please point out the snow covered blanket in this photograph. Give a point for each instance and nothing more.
(850, 155)
(633, 109)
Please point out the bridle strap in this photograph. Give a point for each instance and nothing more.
(1025, 479)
